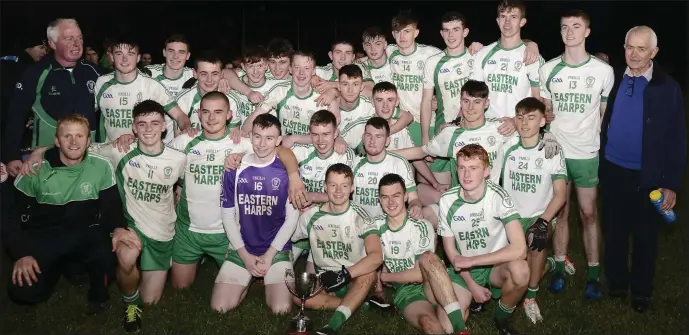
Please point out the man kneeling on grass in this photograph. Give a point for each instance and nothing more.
(345, 245)
(418, 276)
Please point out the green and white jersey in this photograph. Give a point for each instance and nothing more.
(336, 239)
(451, 139)
(508, 78)
(328, 73)
(447, 74)
(294, 112)
(173, 85)
(116, 101)
(354, 132)
(146, 185)
(190, 103)
(528, 177)
(240, 104)
(377, 74)
(312, 167)
(61, 185)
(576, 93)
(363, 109)
(199, 209)
(269, 75)
(408, 75)
(405, 245)
(478, 227)
(368, 174)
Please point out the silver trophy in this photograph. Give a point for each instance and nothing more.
(305, 287)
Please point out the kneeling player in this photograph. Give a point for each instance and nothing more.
(538, 187)
(259, 222)
(408, 251)
(345, 245)
(483, 238)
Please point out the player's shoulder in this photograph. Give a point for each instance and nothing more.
(429, 50)
(390, 49)
(311, 211)
(187, 92)
(173, 153)
(435, 58)
(365, 99)
(600, 65)
(396, 157)
(494, 190)
(549, 65)
(155, 67)
(280, 88)
(360, 212)
(102, 79)
(422, 224)
(483, 52)
(450, 195)
(99, 161)
(327, 67)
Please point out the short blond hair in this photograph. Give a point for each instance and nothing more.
(53, 30)
(73, 118)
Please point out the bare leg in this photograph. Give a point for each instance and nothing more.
(561, 236)
(589, 219)
(152, 285)
(435, 275)
(422, 315)
(226, 297)
(183, 275)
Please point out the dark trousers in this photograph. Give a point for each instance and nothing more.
(89, 246)
(628, 210)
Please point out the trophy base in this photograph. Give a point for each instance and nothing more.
(296, 332)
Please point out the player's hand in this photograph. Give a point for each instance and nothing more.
(127, 237)
(531, 54)
(537, 235)
(507, 126)
(430, 159)
(233, 161)
(549, 116)
(16, 166)
(479, 293)
(550, 144)
(287, 141)
(254, 266)
(475, 47)
(434, 104)
(235, 135)
(224, 86)
(340, 146)
(264, 262)
(24, 271)
(444, 125)
(332, 281)
(669, 199)
(327, 97)
(442, 188)
(123, 142)
(322, 86)
(191, 131)
(255, 97)
(178, 194)
(315, 81)
(297, 192)
(416, 210)
(462, 263)
(383, 273)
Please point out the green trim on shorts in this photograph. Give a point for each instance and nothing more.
(190, 246)
(154, 255)
(441, 165)
(303, 244)
(406, 295)
(583, 172)
(281, 256)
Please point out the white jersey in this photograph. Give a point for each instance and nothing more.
(408, 75)
(241, 106)
(312, 167)
(240, 73)
(528, 177)
(447, 74)
(363, 109)
(116, 101)
(376, 73)
(190, 103)
(199, 209)
(173, 85)
(478, 227)
(336, 239)
(293, 112)
(354, 132)
(451, 139)
(576, 93)
(328, 73)
(508, 79)
(405, 245)
(146, 184)
(367, 175)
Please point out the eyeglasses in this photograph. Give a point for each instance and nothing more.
(630, 87)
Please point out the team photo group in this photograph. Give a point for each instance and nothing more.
(412, 182)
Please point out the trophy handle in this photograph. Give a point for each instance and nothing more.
(319, 288)
(289, 287)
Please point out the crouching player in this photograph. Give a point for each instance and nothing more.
(418, 276)
(483, 238)
(345, 247)
(259, 222)
(538, 188)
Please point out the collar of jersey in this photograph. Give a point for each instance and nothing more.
(459, 194)
(349, 204)
(404, 223)
(384, 157)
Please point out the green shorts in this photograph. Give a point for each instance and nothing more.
(414, 129)
(155, 255)
(583, 172)
(527, 222)
(281, 256)
(190, 246)
(441, 165)
(304, 244)
(408, 294)
(480, 275)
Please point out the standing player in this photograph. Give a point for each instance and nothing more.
(418, 276)
(294, 104)
(575, 87)
(501, 64)
(345, 246)
(280, 53)
(199, 229)
(341, 54)
(376, 61)
(119, 91)
(259, 222)
(173, 74)
(483, 239)
(207, 71)
(378, 162)
(537, 186)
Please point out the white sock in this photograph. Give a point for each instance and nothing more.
(344, 310)
(451, 307)
(593, 263)
(560, 258)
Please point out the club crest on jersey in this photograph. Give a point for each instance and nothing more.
(419, 65)
(424, 242)
(168, 172)
(347, 231)
(590, 81)
(276, 184)
(518, 65)
(507, 202)
(408, 245)
(91, 85)
(139, 97)
(86, 188)
(491, 140)
(470, 63)
(228, 152)
(539, 163)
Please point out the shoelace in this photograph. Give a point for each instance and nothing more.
(133, 311)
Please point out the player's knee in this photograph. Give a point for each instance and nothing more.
(519, 272)
(428, 323)
(588, 216)
(223, 306)
(428, 259)
(281, 307)
(126, 258)
(26, 295)
(152, 300)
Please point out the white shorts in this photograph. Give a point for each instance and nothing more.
(231, 273)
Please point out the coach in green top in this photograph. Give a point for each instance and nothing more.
(65, 213)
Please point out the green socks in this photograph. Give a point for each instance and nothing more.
(455, 315)
(531, 292)
(592, 273)
(133, 299)
(502, 312)
(342, 313)
(560, 264)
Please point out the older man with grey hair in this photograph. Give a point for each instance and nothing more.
(643, 148)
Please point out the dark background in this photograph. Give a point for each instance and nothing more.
(312, 25)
